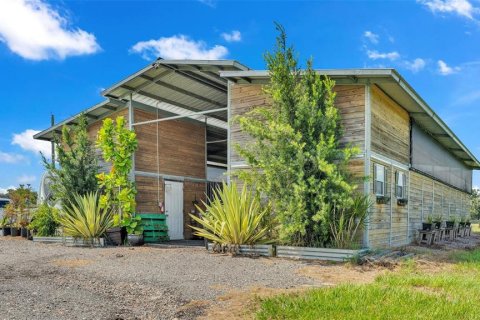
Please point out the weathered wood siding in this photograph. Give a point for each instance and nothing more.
(430, 197)
(390, 127)
(350, 100)
(389, 221)
(181, 147)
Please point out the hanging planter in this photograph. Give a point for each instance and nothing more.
(383, 199)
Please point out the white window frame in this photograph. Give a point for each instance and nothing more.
(400, 184)
(380, 176)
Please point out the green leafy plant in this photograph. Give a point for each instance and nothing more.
(85, 218)
(118, 145)
(4, 222)
(438, 218)
(45, 221)
(295, 157)
(133, 225)
(430, 218)
(233, 218)
(77, 164)
(347, 222)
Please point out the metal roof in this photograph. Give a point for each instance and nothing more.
(97, 112)
(395, 86)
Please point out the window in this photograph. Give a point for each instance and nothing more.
(400, 184)
(380, 173)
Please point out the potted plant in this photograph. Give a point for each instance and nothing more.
(4, 223)
(23, 223)
(134, 229)
(437, 220)
(15, 228)
(468, 223)
(462, 222)
(450, 223)
(428, 225)
(114, 234)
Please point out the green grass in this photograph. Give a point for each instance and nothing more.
(407, 294)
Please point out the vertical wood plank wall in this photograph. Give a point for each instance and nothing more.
(181, 152)
(392, 224)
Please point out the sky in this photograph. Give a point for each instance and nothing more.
(57, 56)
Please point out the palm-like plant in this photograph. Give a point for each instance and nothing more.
(233, 218)
(85, 218)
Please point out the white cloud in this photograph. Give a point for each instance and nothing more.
(26, 179)
(7, 157)
(4, 190)
(445, 69)
(36, 31)
(210, 3)
(374, 55)
(234, 36)
(178, 47)
(372, 37)
(26, 142)
(460, 7)
(415, 65)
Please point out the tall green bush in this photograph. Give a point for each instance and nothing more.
(296, 158)
(118, 145)
(77, 163)
(44, 221)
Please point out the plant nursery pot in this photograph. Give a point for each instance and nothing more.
(14, 232)
(462, 224)
(124, 234)
(6, 231)
(468, 224)
(438, 225)
(114, 236)
(135, 239)
(450, 224)
(24, 232)
(426, 226)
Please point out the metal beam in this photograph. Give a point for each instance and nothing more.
(179, 116)
(198, 78)
(217, 141)
(182, 91)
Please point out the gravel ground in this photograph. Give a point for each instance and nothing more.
(50, 281)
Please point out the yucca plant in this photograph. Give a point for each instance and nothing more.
(233, 218)
(85, 218)
(346, 222)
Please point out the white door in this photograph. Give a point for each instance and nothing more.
(174, 209)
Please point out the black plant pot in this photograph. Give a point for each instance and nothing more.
(15, 232)
(462, 224)
(24, 232)
(426, 226)
(6, 231)
(450, 224)
(468, 224)
(124, 234)
(114, 236)
(438, 225)
(135, 239)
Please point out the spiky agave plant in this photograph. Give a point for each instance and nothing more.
(233, 218)
(85, 218)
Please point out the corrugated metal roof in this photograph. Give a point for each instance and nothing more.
(392, 83)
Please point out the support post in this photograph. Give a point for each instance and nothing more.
(52, 123)
(130, 127)
(367, 158)
(229, 138)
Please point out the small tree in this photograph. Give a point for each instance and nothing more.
(77, 164)
(296, 158)
(118, 145)
(475, 204)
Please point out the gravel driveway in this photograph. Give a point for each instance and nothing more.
(50, 281)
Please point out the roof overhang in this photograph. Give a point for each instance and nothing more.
(395, 86)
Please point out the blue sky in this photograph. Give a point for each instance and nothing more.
(56, 56)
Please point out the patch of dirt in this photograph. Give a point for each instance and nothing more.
(338, 274)
(242, 304)
(71, 263)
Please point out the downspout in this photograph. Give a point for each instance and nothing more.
(130, 127)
